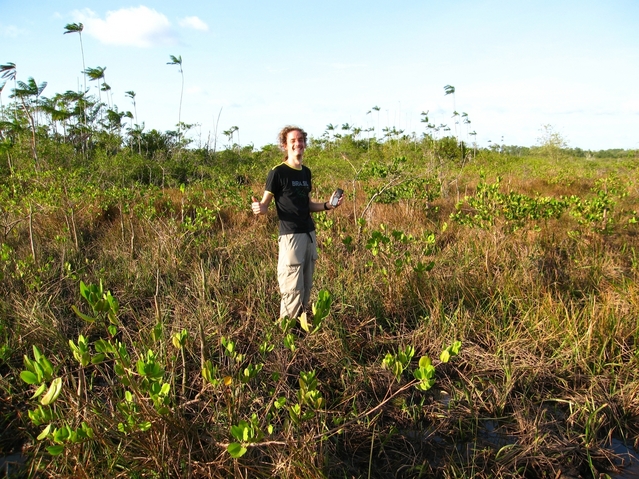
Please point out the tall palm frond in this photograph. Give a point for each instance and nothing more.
(178, 61)
(8, 71)
(78, 28)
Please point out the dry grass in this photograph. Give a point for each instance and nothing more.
(546, 376)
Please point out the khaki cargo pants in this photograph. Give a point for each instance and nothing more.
(295, 267)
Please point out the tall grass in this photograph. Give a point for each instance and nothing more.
(546, 309)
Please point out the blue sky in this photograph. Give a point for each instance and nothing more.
(516, 65)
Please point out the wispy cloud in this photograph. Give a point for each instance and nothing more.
(346, 66)
(195, 23)
(10, 31)
(136, 26)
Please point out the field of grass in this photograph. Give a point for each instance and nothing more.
(476, 314)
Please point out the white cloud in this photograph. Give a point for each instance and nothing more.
(195, 23)
(10, 31)
(136, 26)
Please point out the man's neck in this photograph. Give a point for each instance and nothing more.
(294, 162)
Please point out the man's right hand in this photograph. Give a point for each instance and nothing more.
(256, 206)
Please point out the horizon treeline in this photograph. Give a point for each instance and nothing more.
(82, 124)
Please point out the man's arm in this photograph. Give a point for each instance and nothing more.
(314, 207)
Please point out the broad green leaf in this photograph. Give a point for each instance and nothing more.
(84, 290)
(52, 394)
(113, 319)
(62, 434)
(425, 385)
(236, 450)
(444, 357)
(119, 370)
(36, 353)
(87, 430)
(98, 358)
(424, 362)
(304, 322)
(29, 377)
(83, 316)
(238, 432)
(55, 450)
(44, 364)
(39, 391)
(156, 333)
(44, 433)
(102, 346)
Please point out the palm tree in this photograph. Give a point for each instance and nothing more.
(24, 93)
(77, 103)
(114, 117)
(450, 90)
(2, 88)
(77, 28)
(58, 109)
(135, 131)
(456, 122)
(97, 73)
(467, 122)
(136, 134)
(9, 72)
(375, 108)
(178, 61)
(107, 89)
(229, 134)
(474, 135)
(131, 95)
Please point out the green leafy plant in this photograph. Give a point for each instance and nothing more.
(310, 399)
(245, 432)
(321, 309)
(230, 350)
(450, 351)
(597, 212)
(489, 205)
(103, 304)
(425, 374)
(398, 362)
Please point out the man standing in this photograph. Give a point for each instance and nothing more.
(290, 184)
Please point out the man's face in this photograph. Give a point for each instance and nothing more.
(295, 144)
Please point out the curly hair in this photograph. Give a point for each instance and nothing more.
(286, 130)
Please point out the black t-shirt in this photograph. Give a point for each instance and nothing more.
(291, 189)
